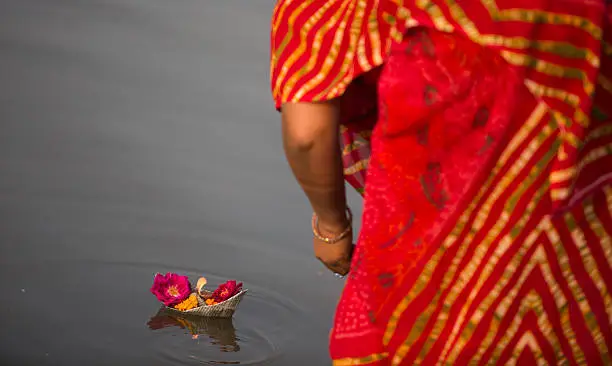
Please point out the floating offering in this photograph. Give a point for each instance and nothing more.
(178, 295)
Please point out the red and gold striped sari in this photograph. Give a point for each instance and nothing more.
(484, 130)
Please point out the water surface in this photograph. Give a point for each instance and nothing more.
(139, 136)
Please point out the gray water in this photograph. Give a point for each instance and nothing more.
(139, 136)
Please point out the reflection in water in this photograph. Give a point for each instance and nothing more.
(221, 331)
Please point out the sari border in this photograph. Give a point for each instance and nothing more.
(367, 360)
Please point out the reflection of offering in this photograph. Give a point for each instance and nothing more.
(221, 331)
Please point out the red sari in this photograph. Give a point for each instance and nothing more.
(487, 225)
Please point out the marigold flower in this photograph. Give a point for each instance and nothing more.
(189, 303)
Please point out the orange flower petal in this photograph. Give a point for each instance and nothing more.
(201, 283)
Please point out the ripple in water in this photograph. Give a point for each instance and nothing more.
(253, 337)
(208, 341)
(257, 334)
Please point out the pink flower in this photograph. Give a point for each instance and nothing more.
(226, 291)
(171, 288)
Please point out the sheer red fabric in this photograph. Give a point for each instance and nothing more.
(481, 132)
(457, 222)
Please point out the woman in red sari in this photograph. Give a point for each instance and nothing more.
(485, 130)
